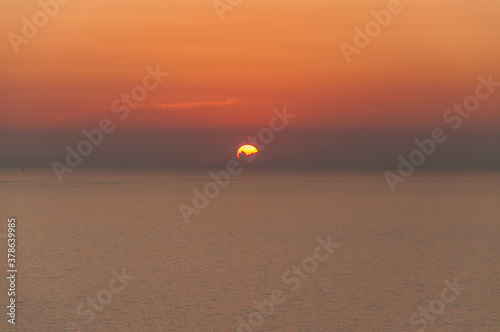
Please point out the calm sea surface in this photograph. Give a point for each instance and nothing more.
(398, 251)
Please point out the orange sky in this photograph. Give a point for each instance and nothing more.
(231, 73)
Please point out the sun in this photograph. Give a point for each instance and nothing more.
(247, 149)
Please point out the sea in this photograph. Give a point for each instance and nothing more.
(263, 250)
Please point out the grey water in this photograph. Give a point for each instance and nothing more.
(116, 238)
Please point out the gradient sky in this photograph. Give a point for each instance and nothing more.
(227, 76)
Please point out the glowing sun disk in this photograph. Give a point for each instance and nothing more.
(247, 149)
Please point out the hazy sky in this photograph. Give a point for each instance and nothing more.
(226, 77)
